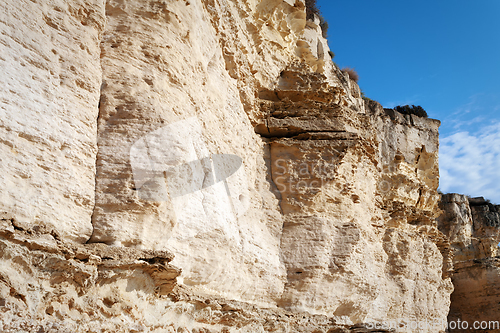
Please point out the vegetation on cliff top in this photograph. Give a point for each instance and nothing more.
(313, 10)
(415, 110)
(353, 75)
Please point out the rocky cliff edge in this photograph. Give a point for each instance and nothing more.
(203, 166)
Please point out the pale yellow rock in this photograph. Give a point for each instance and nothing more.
(52, 286)
(359, 238)
(225, 135)
(187, 82)
(51, 77)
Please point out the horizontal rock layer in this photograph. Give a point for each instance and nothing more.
(48, 285)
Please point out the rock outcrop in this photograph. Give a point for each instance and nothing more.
(358, 194)
(203, 166)
(51, 77)
(473, 227)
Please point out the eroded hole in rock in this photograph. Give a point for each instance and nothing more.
(49, 310)
(108, 302)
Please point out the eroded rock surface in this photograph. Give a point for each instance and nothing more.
(241, 183)
(51, 77)
(358, 194)
(48, 285)
(472, 224)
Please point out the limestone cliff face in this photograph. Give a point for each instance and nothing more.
(51, 76)
(358, 195)
(203, 166)
(473, 227)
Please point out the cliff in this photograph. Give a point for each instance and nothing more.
(473, 227)
(203, 166)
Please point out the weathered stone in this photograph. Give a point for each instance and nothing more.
(345, 215)
(474, 232)
(242, 184)
(51, 78)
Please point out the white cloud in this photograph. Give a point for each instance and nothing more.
(470, 163)
(479, 108)
(460, 123)
(409, 101)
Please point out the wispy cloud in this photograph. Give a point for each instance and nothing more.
(480, 108)
(457, 124)
(409, 101)
(470, 163)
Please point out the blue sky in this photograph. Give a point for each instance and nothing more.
(442, 55)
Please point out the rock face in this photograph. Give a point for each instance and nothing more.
(473, 226)
(203, 166)
(53, 286)
(51, 76)
(358, 195)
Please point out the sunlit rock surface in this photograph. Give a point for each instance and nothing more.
(473, 226)
(49, 95)
(203, 166)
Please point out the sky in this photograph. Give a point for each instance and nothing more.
(443, 55)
